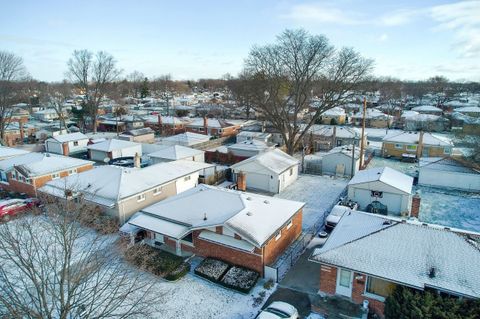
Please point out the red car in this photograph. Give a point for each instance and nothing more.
(11, 207)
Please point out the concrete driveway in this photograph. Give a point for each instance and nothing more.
(304, 276)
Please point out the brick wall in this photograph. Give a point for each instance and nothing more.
(328, 279)
(358, 297)
(275, 248)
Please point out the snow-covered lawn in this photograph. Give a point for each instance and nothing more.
(318, 192)
(450, 208)
(406, 168)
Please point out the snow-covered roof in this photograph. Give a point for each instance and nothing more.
(404, 252)
(35, 164)
(212, 123)
(113, 144)
(446, 164)
(63, 138)
(7, 152)
(336, 111)
(256, 218)
(346, 150)
(251, 145)
(371, 113)
(385, 175)
(175, 152)
(468, 109)
(111, 183)
(340, 131)
(413, 138)
(186, 138)
(275, 160)
(427, 108)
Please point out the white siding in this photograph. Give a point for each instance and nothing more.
(330, 162)
(54, 147)
(457, 180)
(187, 182)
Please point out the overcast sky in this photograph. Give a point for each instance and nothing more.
(408, 39)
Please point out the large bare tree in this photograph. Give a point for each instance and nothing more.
(12, 70)
(52, 267)
(92, 74)
(285, 76)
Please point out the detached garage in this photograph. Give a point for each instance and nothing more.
(270, 172)
(448, 173)
(382, 185)
(113, 149)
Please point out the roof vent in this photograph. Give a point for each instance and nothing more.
(424, 224)
(249, 213)
(387, 222)
(266, 202)
(205, 216)
(432, 272)
(249, 198)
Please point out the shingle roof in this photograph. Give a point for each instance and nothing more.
(274, 160)
(69, 137)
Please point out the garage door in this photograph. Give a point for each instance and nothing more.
(258, 181)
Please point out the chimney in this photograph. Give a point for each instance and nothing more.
(415, 206)
(420, 145)
(136, 161)
(334, 136)
(242, 181)
(205, 124)
(65, 149)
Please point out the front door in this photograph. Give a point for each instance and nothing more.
(344, 282)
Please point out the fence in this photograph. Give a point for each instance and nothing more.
(290, 257)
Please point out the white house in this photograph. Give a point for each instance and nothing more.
(271, 171)
(48, 115)
(113, 149)
(338, 161)
(448, 172)
(385, 185)
(67, 144)
(176, 152)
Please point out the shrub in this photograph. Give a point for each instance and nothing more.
(268, 284)
(239, 278)
(212, 269)
(179, 272)
(158, 262)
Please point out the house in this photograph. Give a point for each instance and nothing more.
(46, 132)
(214, 127)
(447, 172)
(120, 124)
(373, 118)
(367, 255)
(334, 116)
(26, 173)
(9, 152)
(271, 171)
(185, 139)
(473, 111)
(67, 144)
(120, 191)
(113, 149)
(165, 124)
(383, 185)
(428, 109)
(414, 121)
(245, 229)
(415, 144)
(139, 135)
(326, 137)
(249, 148)
(48, 115)
(339, 161)
(176, 152)
(248, 136)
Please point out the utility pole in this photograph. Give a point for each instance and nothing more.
(362, 141)
(353, 156)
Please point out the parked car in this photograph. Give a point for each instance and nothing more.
(335, 214)
(11, 207)
(277, 310)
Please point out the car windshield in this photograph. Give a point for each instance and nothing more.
(277, 312)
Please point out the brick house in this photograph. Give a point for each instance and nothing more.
(214, 127)
(327, 137)
(121, 192)
(416, 145)
(26, 173)
(367, 255)
(241, 228)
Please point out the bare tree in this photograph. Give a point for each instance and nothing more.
(92, 74)
(52, 267)
(241, 92)
(12, 70)
(286, 75)
(442, 89)
(55, 95)
(135, 79)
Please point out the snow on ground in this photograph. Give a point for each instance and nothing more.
(318, 192)
(407, 168)
(450, 208)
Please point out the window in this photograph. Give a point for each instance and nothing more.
(290, 224)
(141, 198)
(345, 278)
(187, 178)
(75, 143)
(72, 171)
(379, 287)
(399, 146)
(279, 235)
(291, 171)
(55, 176)
(411, 147)
(447, 150)
(157, 191)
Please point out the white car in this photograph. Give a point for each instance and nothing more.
(279, 310)
(335, 214)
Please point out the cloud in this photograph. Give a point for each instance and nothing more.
(400, 17)
(383, 37)
(463, 18)
(322, 13)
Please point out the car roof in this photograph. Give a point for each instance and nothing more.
(283, 306)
